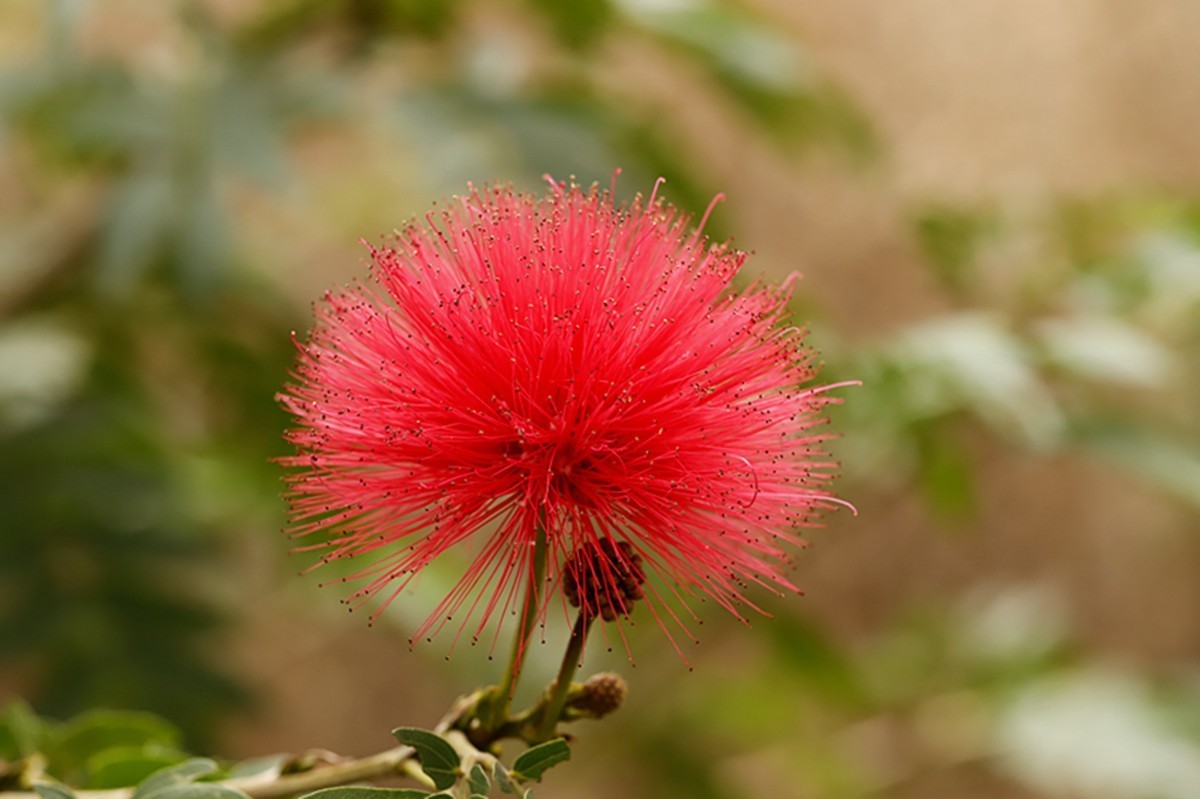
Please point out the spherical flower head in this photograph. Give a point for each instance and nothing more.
(562, 367)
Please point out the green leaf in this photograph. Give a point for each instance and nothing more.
(21, 731)
(166, 779)
(268, 764)
(479, 780)
(438, 758)
(500, 775)
(762, 69)
(139, 216)
(201, 252)
(97, 730)
(951, 239)
(199, 790)
(366, 792)
(810, 654)
(49, 790)
(576, 24)
(1164, 458)
(535, 760)
(126, 765)
(945, 476)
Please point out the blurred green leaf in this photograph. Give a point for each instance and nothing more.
(199, 790)
(202, 248)
(763, 69)
(119, 767)
(173, 776)
(49, 790)
(76, 741)
(248, 130)
(951, 238)
(975, 362)
(140, 217)
(95, 116)
(810, 655)
(22, 732)
(83, 575)
(1165, 459)
(945, 473)
(366, 792)
(577, 24)
(1107, 349)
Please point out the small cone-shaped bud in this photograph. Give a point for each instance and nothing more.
(604, 579)
(600, 695)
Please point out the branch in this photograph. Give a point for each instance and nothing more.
(268, 785)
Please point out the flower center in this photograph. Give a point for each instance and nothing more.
(563, 465)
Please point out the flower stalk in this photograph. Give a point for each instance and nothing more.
(495, 705)
(555, 699)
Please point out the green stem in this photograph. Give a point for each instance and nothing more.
(556, 696)
(502, 696)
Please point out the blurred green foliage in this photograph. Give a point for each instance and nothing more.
(141, 343)
(1072, 332)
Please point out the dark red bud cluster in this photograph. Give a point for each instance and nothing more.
(604, 579)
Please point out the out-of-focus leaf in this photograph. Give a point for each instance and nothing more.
(467, 134)
(951, 238)
(1162, 458)
(972, 361)
(366, 792)
(430, 18)
(199, 790)
(1006, 638)
(93, 116)
(202, 250)
(810, 655)
(119, 767)
(761, 68)
(42, 364)
(577, 24)
(557, 135)
(656, 156)
(140, 217)
(175, 775)
(246, 128)
(945, 474)
(288, 24)
(50, 790)
(91, 524)
(258, 766)
(1106, 348)
(1094, 733)
(22, 732)
(95, 731)
(1170, 260)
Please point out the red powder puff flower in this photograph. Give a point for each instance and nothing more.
(563, 365)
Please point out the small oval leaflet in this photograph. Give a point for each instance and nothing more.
(534, 761)
(438, 758)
